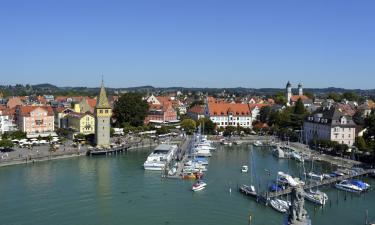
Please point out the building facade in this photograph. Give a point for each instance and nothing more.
(229, 114)
(329, 124)
(103, 113)
(35, 120)
(83, 123)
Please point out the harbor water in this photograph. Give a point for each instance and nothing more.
(116, 190)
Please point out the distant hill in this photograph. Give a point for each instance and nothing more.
(47, 88)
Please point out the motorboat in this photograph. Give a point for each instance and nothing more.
(244, 169)
(258, 143)
(202, 152)
(360, 184)
(160, 157)
(346, 185)
(198, 186)
(287, 179)
(315, 176)
(316, 197)
(278, 153)
(248, 190)
(280, 205)
(297, 157)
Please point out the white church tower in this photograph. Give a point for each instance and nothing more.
(300, 90)
(288, 93)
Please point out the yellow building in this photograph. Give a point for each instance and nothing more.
(83, 123)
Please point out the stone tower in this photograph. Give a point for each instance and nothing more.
(300, 90)
(288, 93)
(103, 115)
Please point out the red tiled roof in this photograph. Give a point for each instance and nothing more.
(295, 98)
(13, 102)
(222, 109)
(91, 102)
(26, 110)
(198, 109)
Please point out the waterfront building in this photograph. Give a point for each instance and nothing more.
(162, 109)
(6, 122)
(161, 113)
(103, 113)
(35, 120)
(83, 123)
(61, 116)
(329, 124)
(229, 114)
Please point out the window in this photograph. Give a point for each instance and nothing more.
(39, 122)
(106, 111)
(101, 111)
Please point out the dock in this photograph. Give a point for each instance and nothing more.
(267, 195)
(110, 151)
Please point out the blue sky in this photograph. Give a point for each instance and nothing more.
(191, 43)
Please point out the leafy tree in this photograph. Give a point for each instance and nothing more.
(350, 96)
(229, 130)
(358, 118)
(7, 144)
(196, 102)
(280, 98)
(17, 135)
(264, 114)
(162, 130)
(188, 125)
(131, 108)
(207, 126)
(360, 143)
(309, 95)
(299, 108)
(336, 97)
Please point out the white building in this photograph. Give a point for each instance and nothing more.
(229, 114)
(329, 124)
(6, 123)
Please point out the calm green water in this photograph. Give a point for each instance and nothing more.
(116, 190)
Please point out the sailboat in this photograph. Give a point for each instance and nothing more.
(249, 190)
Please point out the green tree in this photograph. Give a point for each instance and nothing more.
(358, 118)
(162, 130)
(18, 135)
(130, 108)
(309, 95)
(264, 114)
(350, 96)
(280, 98)
(336, 97)
(229, 130)
(299, 108)
(207, 126)
(188, 125)
(7, 144)
(360, 143)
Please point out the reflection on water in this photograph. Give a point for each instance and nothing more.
(116, 190)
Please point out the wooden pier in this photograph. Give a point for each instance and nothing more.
(110, 151)
(324, 182)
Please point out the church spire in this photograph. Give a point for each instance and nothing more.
(102, 102)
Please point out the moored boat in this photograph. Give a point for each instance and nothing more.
(198, 186)
(248, 190)
(316, 197)
(280, 205)
(346, 185)
(244, 169)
